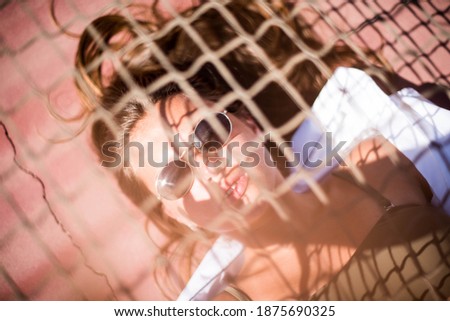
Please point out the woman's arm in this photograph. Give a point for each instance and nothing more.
(388, 171)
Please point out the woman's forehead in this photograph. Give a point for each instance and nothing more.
(173, 115)
(167, 117)
(180, 114)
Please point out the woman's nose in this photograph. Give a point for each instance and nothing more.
(215, 165)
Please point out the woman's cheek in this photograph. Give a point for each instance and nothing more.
(199, 205)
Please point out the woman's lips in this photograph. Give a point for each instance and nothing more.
(237, 188)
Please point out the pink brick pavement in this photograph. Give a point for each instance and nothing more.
(38, 259)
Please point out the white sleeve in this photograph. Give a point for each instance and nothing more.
(222, 263)
(352, 108)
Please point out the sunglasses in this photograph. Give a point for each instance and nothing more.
(177, 177)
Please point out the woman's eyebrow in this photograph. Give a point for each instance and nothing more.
(187, 117)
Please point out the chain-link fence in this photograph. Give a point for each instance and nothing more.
(68, 232)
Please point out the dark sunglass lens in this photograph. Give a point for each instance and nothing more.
(175, 180)
(213, 134)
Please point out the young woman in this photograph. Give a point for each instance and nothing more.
(207, 123)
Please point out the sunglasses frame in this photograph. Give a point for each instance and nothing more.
(224, 113)
(200, 148)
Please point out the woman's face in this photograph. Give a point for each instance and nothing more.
(227, 187)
